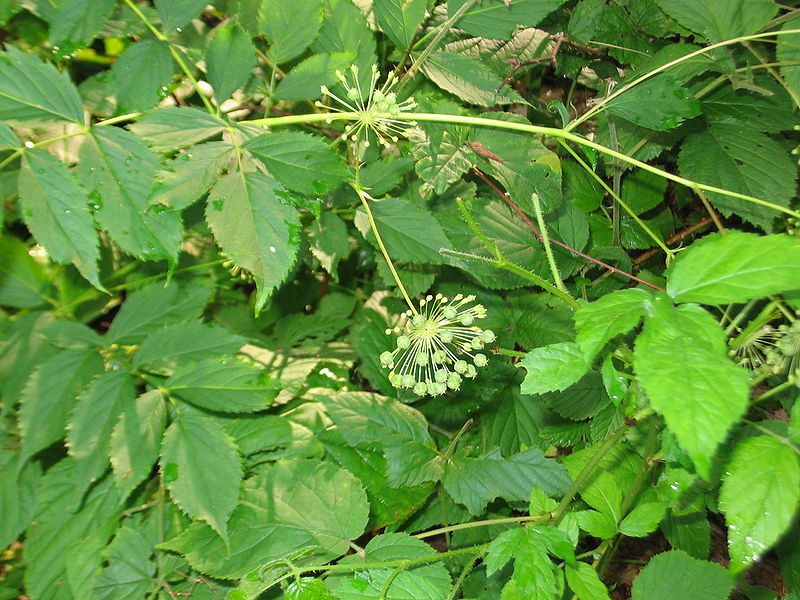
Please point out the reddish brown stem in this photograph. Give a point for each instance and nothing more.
(673, 238)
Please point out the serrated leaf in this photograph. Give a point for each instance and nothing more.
(345, 29)
(118, 170)
(675, 574)
(224, 385)
(534, 577)
(17, 496)
(135, 440)
(515, 424)
(300, 162)
(58, 522)
(690, 533)
(788, 51)
(682, 363)
(585, 582)
(91, 422)
(583, 399)
(643, 190)
(441, 167)
(611, 315)
(658, 103)
(410, 233)
(190, 175)
(56, 210)
(31, 90)
(177, 13)
(424, 582)
(468, 79)
(552, 368)
(184, 343)
(399, 19)
(290, 26)
(474, 482)
(75, 23)
(24, 283)
(8, 139)
(328, 241)
(497, 19)
(292, 505)
(643, 519)
(771, 109)
(303, 81)
(202, 469)
(230, 58)
(154, 306)
(718, 21)
(739, 159)
(735, 268)
(130, 570)
(255, 228)
(140, 75)
(364, 418)
(383, 176)
(173, 127)
(759, 496)
(50, 395)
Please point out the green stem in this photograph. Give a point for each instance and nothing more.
(775, 391)
(537, 208)
(476, 229)
(517, 270)
(484, 523)
(362, 195)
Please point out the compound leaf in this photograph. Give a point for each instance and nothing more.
(290, 26)
(675, 574)
(718, 21)
(190, 174)
(400, 19)
(176, 13)
(75, 23)
(183, 343)
(230, 58)
(468, 79)
(498, 19)
(303, 81)
(140, 75)
(658, 103)
(173, 127)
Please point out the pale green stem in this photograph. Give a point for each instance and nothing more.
(772, 71)
(362, 195)
(485, 523)
(537, 208)
(602, 103)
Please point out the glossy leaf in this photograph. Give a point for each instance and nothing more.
(552, 368)
(290, 26)
(230, 58)
(56, 210)
(675, 574)
(31, 90)
(681, 360)
(735, 268)
(202, 469)
(759, 496)
(255, 227)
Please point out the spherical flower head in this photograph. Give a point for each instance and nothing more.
(436, 344)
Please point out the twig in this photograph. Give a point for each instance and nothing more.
(673, 238)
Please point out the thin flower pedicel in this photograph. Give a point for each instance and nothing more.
(436, 344)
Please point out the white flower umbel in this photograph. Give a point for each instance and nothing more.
(438, 346)
(376, 109)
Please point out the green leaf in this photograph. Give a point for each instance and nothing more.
(93, 418)
(383, 176)
(135, 440)
(468, 79)
(534, 575)
(658, 103)
(328, 241)
(31, 90)
(675, 574)
(497, 19)
(425, 582)
(130, 570)
(140, 75)
(184, 343)
(202, 469)
(744, 161)
(303, 81)
(718, 21)
(152, 307)
(56, 210)
(759, 496)
(474, 482)
(735, 268)
(597, 524)
(50, 395)
(300, 162)
(255, 228)
(442, 167)
(8, 139)
(682, 363)
(364, 418)
(118, 170)
(75, 23)
(643, 190)
(173, 127)
(771, 109)
(224, 385)
(17, 495)
(788, 50)
(230, 58)
(643, 519)
(581, 400)
(24, 283)
(515, 424)
(399, 19)
(190, 175)
(690, 533)
(177, 13)
(552, 368)
(291, 506)
(290, 26)
(585, 582)
(410, 233)
(57, 523)
(604, 319)
(260, 433)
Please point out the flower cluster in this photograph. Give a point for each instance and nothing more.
(435, 344)
(375, 110)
